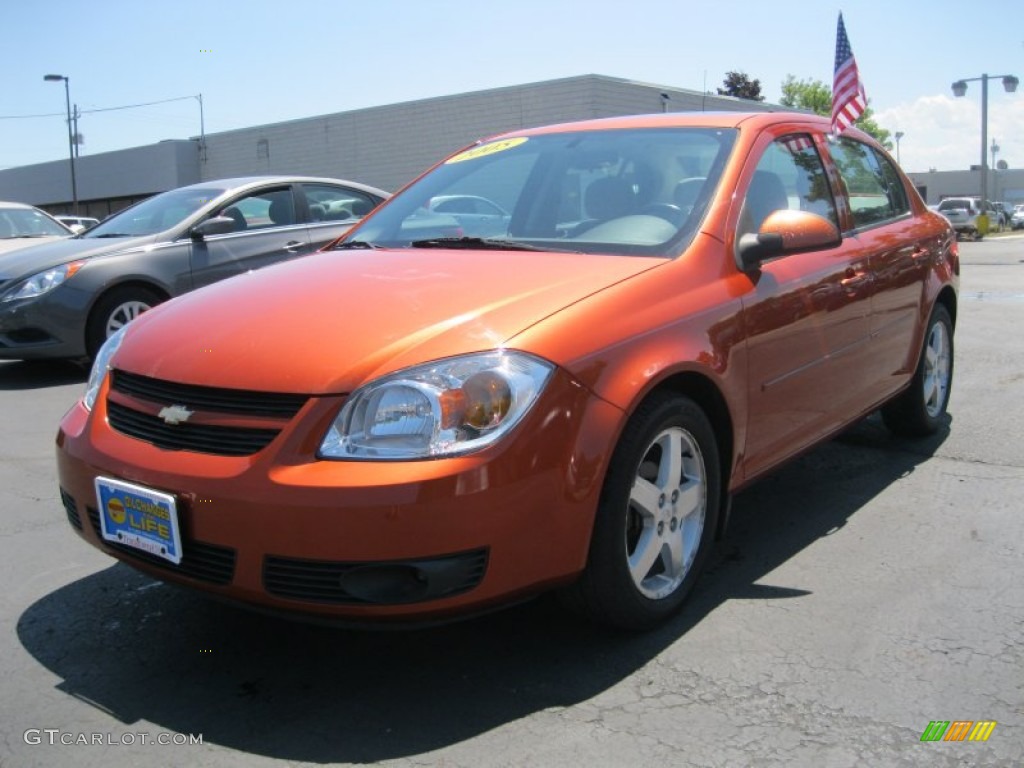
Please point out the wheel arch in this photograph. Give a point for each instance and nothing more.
(706, 394)
(947, 298)
(100, 296)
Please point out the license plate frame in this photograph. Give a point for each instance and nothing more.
(139, 517)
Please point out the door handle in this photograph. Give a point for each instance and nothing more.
(293, 246)
(920, 253)
(854, 280)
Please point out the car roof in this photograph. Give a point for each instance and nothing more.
(684, 119)
(238, 182)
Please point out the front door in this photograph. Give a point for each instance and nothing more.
(266, 231)
(807, 315)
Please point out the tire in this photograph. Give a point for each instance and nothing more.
(115, 309)
(656, 518)
(921, 409)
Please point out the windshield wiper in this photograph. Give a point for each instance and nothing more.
(477, 242)
(114, 234)
(354, 244)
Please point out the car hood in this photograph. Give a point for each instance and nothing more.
(39, 256)
(9, 244)
(329, 322)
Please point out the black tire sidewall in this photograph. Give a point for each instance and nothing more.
(907, 414)
(623, 603)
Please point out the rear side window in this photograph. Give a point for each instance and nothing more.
(875, 189)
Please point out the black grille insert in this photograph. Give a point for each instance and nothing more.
(379, 583)
(71, 509)
(240, 401)
(201, 438)
(201, 561)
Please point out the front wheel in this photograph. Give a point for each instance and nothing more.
(656, 518)
(114, 310)
(921, 408)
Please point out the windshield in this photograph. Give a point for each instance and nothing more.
(631, 191)
(28, 222)
(156, 214)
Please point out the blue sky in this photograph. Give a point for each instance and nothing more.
(259, 62)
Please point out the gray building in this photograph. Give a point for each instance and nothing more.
(383, 146)
(1003, 185)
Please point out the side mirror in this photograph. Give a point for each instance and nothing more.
(784, 232)
(218, 225)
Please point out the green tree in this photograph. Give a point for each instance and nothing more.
(815, 96)
(740, 85)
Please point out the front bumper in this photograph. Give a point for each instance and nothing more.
(356, 540)
(50, 326)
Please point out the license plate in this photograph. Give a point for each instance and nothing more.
(139, 517)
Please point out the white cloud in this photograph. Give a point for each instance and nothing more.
(944, 132)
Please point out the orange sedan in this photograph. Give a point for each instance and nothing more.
(555, 381)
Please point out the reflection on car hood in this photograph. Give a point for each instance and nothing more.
(40, 256)
(329, 322)
(9, 244)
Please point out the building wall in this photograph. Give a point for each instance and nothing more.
(384, 146)
(388, 146)
(104, 179)
(936, 186)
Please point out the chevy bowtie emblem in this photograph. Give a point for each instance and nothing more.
(175, 414)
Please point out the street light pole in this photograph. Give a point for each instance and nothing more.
(898, 135)
(1010, 83)
(71, 142)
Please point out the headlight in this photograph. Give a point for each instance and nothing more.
(100, 366)
(44, 282)
(442, 408)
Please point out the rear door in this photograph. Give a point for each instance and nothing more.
(267, 230)
(899, 247)
(332, 210)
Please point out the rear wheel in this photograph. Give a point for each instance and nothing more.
(656, 519)
(114, 310)
(921, 408)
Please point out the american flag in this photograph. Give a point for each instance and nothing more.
(848, 99)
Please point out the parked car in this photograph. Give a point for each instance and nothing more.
(424, 422)
(473, 213)
(23, 225)
(1005, 211)
(964, 212)
(1017, 219)
(78, 223)
(64, 299)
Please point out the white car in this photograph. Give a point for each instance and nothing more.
(78, 223)
(1017, 219)
(23, 225)
(963, 214)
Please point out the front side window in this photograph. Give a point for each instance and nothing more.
(789, 176)
(872, 183)
(633, 191)
(263, 209)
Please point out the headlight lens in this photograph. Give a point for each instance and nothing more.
(444, 408)
(100, 366)
(44, 282)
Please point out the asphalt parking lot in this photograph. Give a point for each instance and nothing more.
(871, 587)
